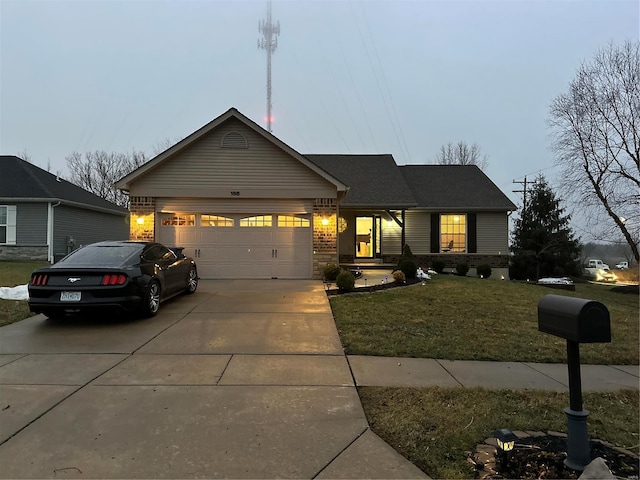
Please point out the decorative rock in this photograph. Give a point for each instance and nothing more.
(557, 434)
(483, 447)
(520, 434)
(536, 433)
(491, 441)
(597, 470)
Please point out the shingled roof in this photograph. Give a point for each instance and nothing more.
(454, 187)
(22, 180)
(374, 180)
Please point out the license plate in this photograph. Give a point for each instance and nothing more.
(70, 296)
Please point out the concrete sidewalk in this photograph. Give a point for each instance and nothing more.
(421, 372)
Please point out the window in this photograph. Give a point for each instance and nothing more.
(259, 221)
(453, 233)
(215, 221)
(293, 221)
(179, 219)
(8, 224)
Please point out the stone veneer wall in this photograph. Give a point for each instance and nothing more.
(144, 207)
(452, 259)
(325, 237)
(14, 252)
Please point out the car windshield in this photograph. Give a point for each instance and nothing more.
(101, 255)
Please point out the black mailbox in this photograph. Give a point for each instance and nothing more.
(576, 319)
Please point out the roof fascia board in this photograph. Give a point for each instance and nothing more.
(61, 201)
(123, 183)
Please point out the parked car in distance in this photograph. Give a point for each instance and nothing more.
(599, 264)
(124, 276)
(622, 265)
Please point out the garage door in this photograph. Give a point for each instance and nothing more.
(242, 245)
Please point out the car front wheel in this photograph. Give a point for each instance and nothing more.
(152, 300)
(192, 281)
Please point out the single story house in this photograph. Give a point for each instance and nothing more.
(246, 205)
(43, 216)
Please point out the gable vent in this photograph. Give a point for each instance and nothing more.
(234, 140)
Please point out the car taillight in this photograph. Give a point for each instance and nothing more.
(114, 279)
(39, 280)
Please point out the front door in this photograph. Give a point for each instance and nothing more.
(365, 237)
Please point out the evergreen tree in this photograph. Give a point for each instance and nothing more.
(543, 243)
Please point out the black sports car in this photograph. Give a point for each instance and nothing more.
(126, 276)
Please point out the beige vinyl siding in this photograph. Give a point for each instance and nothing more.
(391, 238)
(205, 169)
(492, 233)
(233, 205)
(418, 231)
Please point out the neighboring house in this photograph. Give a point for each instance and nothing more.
(246, 205)
(45, 217)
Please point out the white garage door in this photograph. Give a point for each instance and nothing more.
(242, 245)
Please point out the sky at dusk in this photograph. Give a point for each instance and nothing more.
(398, 77)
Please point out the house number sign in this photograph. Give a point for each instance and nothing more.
(235, 193)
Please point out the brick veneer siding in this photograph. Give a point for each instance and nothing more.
(451, 260)
(325, 237)
(142, 207)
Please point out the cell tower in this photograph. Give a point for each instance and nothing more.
(269, 43)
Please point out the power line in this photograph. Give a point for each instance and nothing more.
(524, 184)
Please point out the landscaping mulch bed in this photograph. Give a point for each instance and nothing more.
(538, 457)
(374, 288)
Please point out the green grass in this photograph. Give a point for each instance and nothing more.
(12, 274)
(435, 428)
(464, 318)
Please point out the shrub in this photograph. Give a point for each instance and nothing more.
(462, 269)
(345, 281)
(438, 266)
(331, 271)
(406, 252)
(484, 270)
(398, 276)
(408, 267)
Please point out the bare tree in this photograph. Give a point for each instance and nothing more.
(163, 145)
(596, 139)
(462, 154)
(98, 171)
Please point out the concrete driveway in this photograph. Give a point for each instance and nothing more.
(244, 379)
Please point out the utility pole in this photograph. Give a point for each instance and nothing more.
(524, 193)
(269, 43)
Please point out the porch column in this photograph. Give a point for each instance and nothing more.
(325, 234)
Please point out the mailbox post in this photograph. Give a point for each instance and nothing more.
(578, 321)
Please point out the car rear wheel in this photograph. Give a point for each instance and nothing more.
(192, 281)
(152, 300)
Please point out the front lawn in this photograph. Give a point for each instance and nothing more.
(436, 428)
(465, 318)
(12, 274)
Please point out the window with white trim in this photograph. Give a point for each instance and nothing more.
(7, 224)
(259, 221)
(453, 233)
(215, 221)
(293, 221)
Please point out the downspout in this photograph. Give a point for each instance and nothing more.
(50, 207)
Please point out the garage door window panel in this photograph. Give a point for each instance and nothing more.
(258, 221)
(216, 221)
(179, 220)
(293, 221)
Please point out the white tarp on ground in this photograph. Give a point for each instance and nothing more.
(556, 281)
(14, 293)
